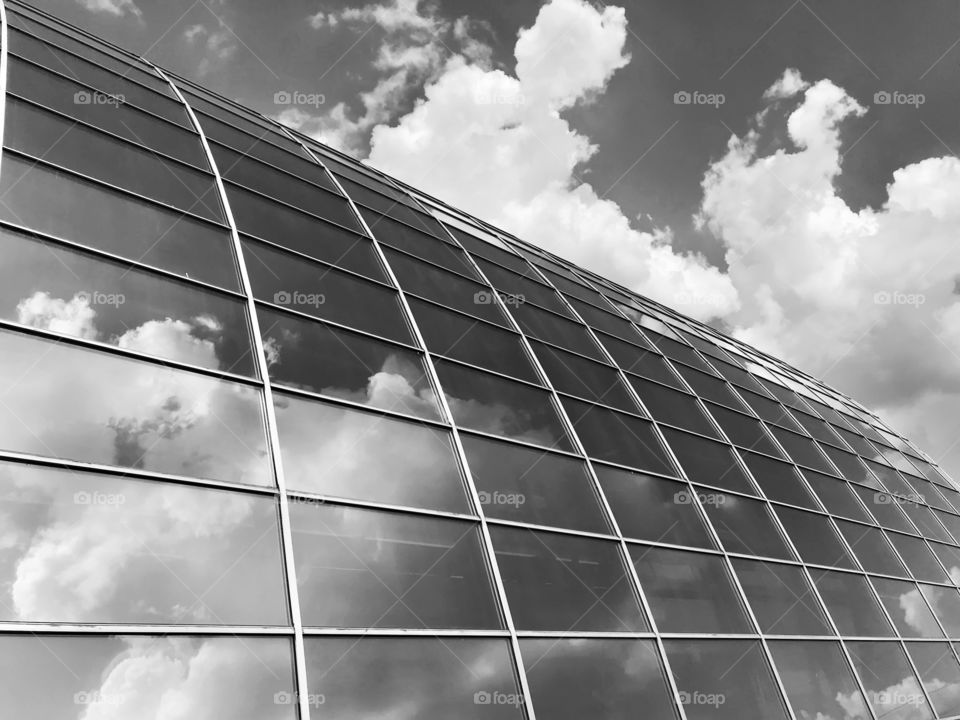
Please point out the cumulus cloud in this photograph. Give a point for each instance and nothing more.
(117, 8)
(70, 317)
(864, 298)
(218, 44)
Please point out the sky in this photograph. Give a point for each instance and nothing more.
(782, 170)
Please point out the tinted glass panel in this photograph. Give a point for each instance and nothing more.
(424, 678)
(818, 681)
(710, 387)
(778, 480)
(851, 468)
(67, 206)
(48, 286)
(724, 680)
(945, 603)
(60, 142)
(672, 407)
(522, 289)
(918, 557)
(305, 354)
(366, 568)
(852, 604)
(940, 674)
(745, 526)
(150, 676)
(923, 518)
(556, 330)
(653, 508)
(904, 603)
(802, 450)
(164, 420)
(298, 284)
(836, 496)
(744, 431)
(585, 580)
(677, 351)
(885, 509)
(289, 228)
(528, 485)
(591, 381)
(332, 450)
(565, 674)
(143, 551)
(950, 557)
(640, 361)
(814, 538)
(484, 402)
(892, 687)
(426, 247)
(707, 462)
(618, 438)
(689, 592)
(463, 338)
(781, 598)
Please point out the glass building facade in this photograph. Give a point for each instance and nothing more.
(283, 437)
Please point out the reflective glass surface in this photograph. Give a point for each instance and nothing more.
(778, 480)
(851, 603)
(872, 548)
(746, 526)
(893, 689)
(574, 375)
(744, 431)
(335, 450)
(555, 330)
(905, 604)
(814, 538)
(708, 462)
(782, 599)
(672, 407)
(818, 680)
(940, 674)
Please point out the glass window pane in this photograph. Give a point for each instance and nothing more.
(918, 557)
(565, 583)
(305, 354)
(802, 450)
(367, 568)
(61, 142)
(724, 680)
(782, 599)
(615, 437)
(769, 410)
(605, 321)
(522, 288)
(814, 538)
(445, 288)
(892, 687)
(689, 592)
(583, 378)
(263, 218)
(836, 496)
(710, 387)
(818, 681)
(677, 351)
(952, 523)
(744, 431)
(746, 526)
(778, 480)
(672, 407)
(574, 678)
(528, 485)
(106, 111)
(488, 403)
(66, 206)
(640, 361)
(923, 518)
(851, 468)
(464, 338)
(363, 194)
(298, 284)
(339, 451)
(49, 286)
(872, 549)
(653, 508)
(885, 509)
(950, 557)
(940, 674)
(707, 462)
(415, 677)
(817, 428)
(851, 603)
(146, 676)
(92, 548)
(164, 420)
(945, 603)
(904, 603)
(555, 330)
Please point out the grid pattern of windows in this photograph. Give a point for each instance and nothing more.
(318, 427)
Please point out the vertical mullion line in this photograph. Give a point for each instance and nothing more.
(286, 530)
(441, 398)
(608, 511)
(4, 69)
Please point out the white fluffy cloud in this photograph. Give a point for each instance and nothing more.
(117, 8)
(219, 44)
